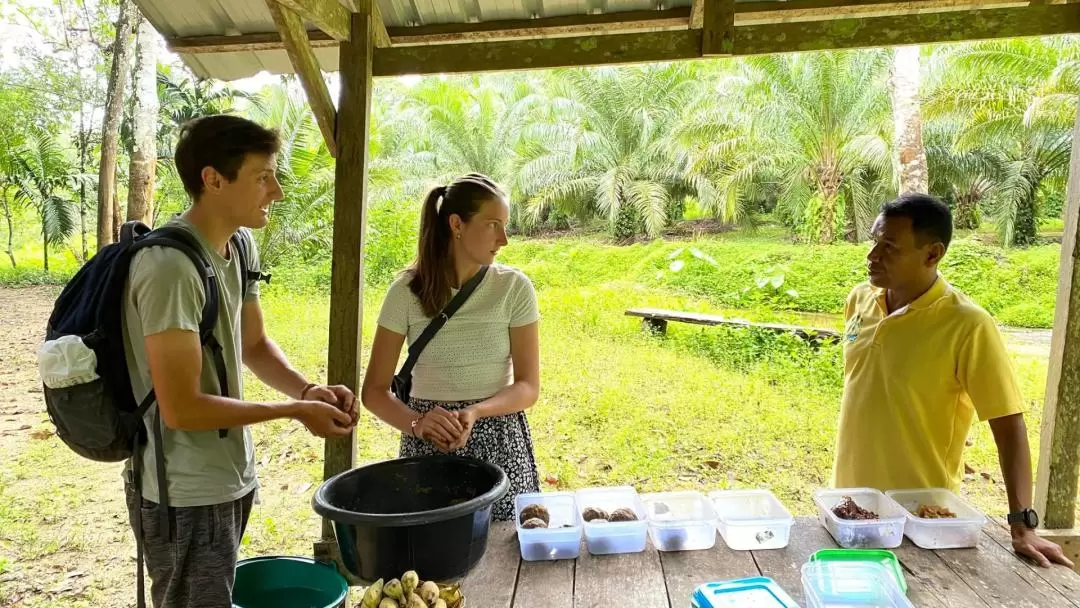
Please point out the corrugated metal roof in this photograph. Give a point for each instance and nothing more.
(175, 19)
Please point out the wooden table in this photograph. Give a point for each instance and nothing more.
(989, 576)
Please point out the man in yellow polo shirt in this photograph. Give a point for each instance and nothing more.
(920, 362)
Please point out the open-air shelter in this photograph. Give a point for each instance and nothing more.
(366, 39)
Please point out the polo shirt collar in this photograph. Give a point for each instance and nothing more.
(926, 300)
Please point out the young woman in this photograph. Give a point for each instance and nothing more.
(474, 381)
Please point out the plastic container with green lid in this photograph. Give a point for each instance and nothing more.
(878, 556)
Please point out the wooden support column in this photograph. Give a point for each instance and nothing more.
(718, 35)
(298, 47)
(1059, 453)
(350, 220)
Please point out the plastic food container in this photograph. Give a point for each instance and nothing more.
(561, 539)
(755, 592)
(680, 521)
(850, 585)
(751, 519)
(886, 532)
(946, 533)
(614, 536)
(877, 556)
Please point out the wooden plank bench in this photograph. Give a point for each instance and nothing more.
(656, 320)
(989, 576)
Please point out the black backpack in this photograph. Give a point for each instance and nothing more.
(100, 419)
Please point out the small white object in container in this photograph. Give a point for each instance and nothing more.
(751, 519)
(561, 539)
(603, 538)
(885, 532)
(962, 531)
(680, 521)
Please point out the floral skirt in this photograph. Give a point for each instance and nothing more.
(503, 440)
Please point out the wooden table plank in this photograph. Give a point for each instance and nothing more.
(685, 570)
(932, 583)
(492, 582)
(785, 565)
(1001, 579)
(628, 579)
(545, 585)
(1061, 578)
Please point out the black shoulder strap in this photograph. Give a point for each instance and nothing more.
(437, 323)
(248, 275)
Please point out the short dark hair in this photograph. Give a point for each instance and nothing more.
(220, 141)
(931, 219)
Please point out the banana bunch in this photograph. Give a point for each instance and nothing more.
(409, 592)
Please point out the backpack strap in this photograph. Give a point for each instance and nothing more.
(248, 275)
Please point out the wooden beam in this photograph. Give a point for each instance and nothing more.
(902, 30)
(770, 11)
(269, 41)
(333, 18)
(304, 63)
(327, 15)
(538, 54)
(350, 219)
(697, 14)
(718, 31)
(547, 27)
(1059, 450)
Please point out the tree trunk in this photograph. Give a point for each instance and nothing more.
(118, 216)
(966, 213)
(84, 145)
(1026, 229)
(10, 226)
(110, 129)
(45, 247)
(144, 153)
(908, 150)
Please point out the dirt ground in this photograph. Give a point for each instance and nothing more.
(50, 515)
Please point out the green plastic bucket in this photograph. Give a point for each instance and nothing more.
(296, 582)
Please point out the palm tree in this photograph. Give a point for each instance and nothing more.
(605, 147)
(1017, 98)
(471, 123)
(42, 176)
(819, 124)
(966, 179)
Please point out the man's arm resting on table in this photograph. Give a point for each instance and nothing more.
(1014, 455)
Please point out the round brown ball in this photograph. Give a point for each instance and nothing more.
(535, 512)
(623, 514)
(592, 513)
(533, 523)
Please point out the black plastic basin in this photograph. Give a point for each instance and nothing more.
(430, 514)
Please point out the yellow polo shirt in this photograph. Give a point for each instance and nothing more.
(913, 383)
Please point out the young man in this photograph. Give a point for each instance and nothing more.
(920, 362)
(227, 166)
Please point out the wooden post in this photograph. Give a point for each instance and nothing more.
(1059, 453)
(350, 200)
(718, 36)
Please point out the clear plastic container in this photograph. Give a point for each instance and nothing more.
(751, 519)
(886, 532)
(680, 521)
(878, 556)
(605, 538)
(850, 585)
(561, 539)
(946, 533)
(754, 592)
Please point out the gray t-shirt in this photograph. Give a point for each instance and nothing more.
(470, 356)
(164, 292)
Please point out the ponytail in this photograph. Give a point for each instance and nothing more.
(433, 271)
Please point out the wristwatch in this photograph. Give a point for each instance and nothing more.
(1028, 517)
